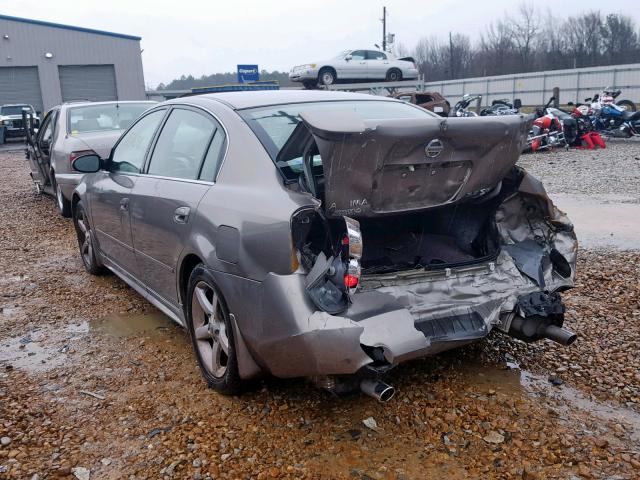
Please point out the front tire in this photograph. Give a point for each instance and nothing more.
(327, 76)
(64, 205)
(211, 333)
(394, 75)
(86, 242)
(309, 84)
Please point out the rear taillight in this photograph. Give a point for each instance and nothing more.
(353, 243)
(80, 153)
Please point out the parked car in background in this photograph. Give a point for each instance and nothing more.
(70, 130)
(328, 235)
(351, 65)
(432, 101)
(11, 120)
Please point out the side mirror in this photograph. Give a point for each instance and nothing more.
(348, 57)
(517, 103)
(87, 164)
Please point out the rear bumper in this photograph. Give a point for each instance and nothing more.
(405, 316)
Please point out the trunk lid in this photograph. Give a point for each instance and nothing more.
(99, 142)
(385, 166)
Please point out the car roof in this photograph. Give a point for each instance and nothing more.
(83, 103)
(264, 98)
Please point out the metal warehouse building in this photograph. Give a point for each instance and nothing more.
(45, 64)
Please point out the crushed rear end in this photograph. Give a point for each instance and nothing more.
(425, 236)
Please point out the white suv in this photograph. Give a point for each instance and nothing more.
(363, 65)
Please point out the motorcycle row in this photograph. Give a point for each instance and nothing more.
(581, 125)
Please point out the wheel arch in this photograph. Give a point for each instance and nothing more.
(189, 262)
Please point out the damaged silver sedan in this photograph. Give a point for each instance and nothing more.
(326, 235)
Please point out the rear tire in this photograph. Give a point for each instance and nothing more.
(327, 76)
(394, 75)
(86, 242)
(211, 332)
(64, 205)
(631, 107)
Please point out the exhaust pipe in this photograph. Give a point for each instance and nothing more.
(377, 389)
(561, 335)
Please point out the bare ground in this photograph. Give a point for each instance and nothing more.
(93, 377)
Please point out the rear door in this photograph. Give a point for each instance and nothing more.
(110, 192)
(180, 171)
(377, 65)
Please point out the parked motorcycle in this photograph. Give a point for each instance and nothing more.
(552, 128)
(502, 107)
(615, 119)
(461, 108)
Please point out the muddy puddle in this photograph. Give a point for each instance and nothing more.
(511, 381)
(41, 350)
(603, 221)
(31, 352)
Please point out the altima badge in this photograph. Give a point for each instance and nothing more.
(433, 148)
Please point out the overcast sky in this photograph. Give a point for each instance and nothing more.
(209, 36)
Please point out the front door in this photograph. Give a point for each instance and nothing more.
(40, 151)
(111, 189)
(166, 197)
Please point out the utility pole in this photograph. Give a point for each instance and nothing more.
(384, 29)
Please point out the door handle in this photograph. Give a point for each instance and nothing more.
(181, 214)
(124, 205)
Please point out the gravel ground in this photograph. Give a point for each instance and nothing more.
(94, 381)
(612, 173)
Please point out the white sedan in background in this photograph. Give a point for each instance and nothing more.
(363, 65)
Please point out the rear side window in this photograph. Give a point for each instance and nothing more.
(182, 145)
(214, 156)
(129, 155)
(373, 55)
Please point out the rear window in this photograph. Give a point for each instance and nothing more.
(104, 117)
(274, 125)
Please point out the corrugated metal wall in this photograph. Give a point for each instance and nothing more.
(24, 44)
(537, 87)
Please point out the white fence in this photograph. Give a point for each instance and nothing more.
(537, 87)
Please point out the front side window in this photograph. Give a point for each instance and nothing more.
(181, 145)
(104, 117)
(358, 55)
(47, 129)
(374, 55)
(129, 154)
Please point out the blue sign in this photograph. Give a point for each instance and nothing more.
(248, 73)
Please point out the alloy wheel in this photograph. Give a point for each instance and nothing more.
(86, 246)
(210, 330)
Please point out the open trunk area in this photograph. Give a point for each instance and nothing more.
(456, 234)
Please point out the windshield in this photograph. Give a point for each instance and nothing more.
(104, 117)
(342, 54)
(14, 109)
(274, 125)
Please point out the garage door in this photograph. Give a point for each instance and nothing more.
(88, 82)
(20, 85)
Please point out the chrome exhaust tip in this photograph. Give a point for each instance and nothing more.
(377, 389)
(561, 335)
